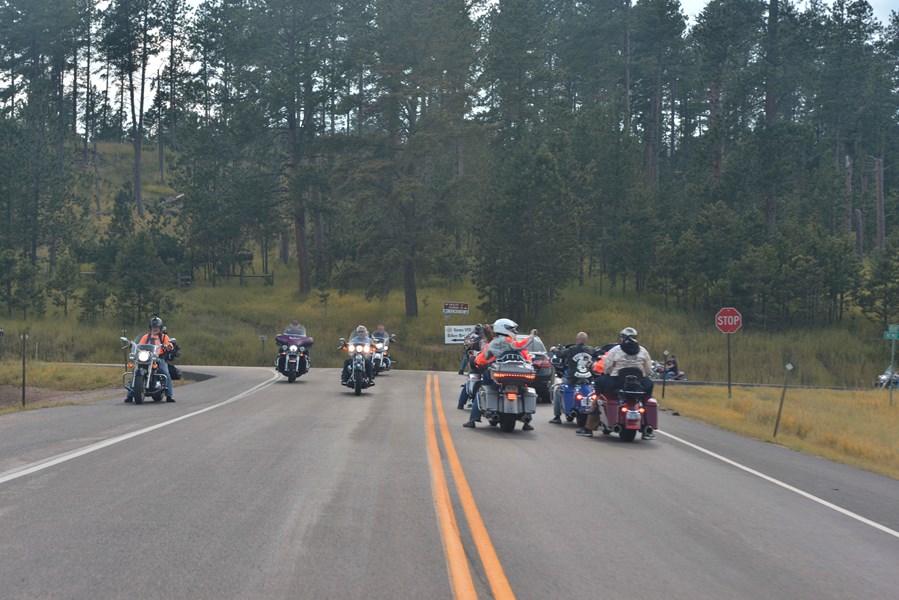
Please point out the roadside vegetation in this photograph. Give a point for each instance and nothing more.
(854, 427)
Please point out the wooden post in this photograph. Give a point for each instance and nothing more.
(881, 218)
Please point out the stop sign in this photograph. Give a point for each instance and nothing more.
(728, 320)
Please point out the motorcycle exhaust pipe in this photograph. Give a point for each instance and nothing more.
(648, 430)
(616, 428)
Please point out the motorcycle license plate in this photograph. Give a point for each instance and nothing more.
(633, 419)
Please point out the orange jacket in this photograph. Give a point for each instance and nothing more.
(160, 338)
(488, 354)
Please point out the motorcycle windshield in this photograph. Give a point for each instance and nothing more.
(294, 340)
(145, 352)
(295, 330)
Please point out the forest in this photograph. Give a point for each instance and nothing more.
(747, 158)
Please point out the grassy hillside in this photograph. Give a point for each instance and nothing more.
(222, 325)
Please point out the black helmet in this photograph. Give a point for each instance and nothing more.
(155, 322)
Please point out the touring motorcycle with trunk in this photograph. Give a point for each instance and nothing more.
(293, 352)
(629, 409)
(507, 396)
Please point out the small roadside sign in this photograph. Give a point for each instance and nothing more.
(460, 308)
(456, 334)
(891, 335)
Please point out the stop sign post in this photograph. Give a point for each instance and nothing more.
(728, 320)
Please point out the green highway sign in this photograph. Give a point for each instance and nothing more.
(891, 335)
(894, 328)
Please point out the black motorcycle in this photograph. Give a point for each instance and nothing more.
(360, 354)
(144, 379)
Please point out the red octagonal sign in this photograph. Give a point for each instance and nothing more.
(728, 320)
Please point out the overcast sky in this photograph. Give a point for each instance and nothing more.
(881, 8)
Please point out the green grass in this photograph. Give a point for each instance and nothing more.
(222, 325)
(55, 376)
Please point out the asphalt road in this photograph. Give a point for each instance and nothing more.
(249, 487)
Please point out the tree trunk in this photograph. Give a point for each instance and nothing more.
(409, 291)
(299, 226)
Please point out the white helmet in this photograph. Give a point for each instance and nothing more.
(505, 327)
(628, 332)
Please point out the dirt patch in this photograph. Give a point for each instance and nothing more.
(11, 396)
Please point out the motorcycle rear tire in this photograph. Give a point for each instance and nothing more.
(507, 424)
(628, 435)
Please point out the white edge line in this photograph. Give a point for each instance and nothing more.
(786, 486)
(61, 458)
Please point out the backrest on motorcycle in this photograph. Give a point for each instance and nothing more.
(632, 380)
(510, 356)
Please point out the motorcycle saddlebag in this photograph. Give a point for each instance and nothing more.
(174, 372)
(488, 398)
(530, 400)
(652, 412)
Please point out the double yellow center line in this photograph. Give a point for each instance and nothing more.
(457, 562)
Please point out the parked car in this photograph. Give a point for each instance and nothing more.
(542, 366)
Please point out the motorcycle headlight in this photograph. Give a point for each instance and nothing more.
(302, 348)
(379, 345)
(293, 348)
(366, 348)
(358, 348)
(284, 348)
(143, 356)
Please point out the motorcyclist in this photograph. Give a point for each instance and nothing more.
(380, 333)
(627, 354)
(156, 336)
(505, 331)
(671, 369)
(295, 329)
(479, 344)
(470, 342)
(360, 336)
(576, 357)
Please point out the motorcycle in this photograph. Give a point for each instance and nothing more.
(380, 358)
(659, 372)
(508, 398)
(629, 409)
(576, 398)
(359, 355)
(887, 378)
(145, 378)
(293, 356)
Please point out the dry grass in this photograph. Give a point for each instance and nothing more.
(854, 427)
